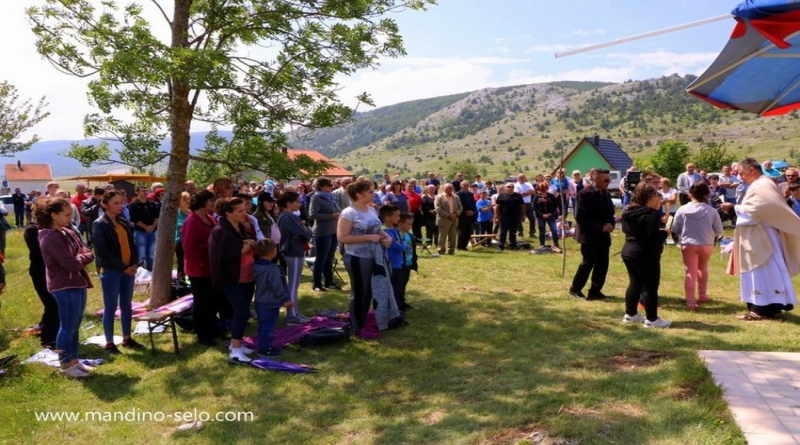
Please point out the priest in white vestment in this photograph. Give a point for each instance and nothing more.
(766, 250)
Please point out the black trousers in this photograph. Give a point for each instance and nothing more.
(769, 310)
(418, 224)
(531, 216)
(19, 216)
(432, 232)
(179, 254)
(50, 322)
(399, 280)
(508, 229)
(360, 271)
(594, 262)
(206, 306)
(466, 224)
(683, 199)
(644, 275)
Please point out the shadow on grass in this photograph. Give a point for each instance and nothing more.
(110, 387)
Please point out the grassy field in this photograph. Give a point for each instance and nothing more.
(496, 352)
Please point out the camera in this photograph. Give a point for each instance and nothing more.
(632, 179)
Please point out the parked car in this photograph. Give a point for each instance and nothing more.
(616, 179)
(7, 200)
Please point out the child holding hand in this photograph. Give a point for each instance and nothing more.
(271, 295)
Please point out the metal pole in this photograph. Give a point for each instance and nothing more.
(564, 210)
(643, 36)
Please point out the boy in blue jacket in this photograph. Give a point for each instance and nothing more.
(390, 215)
(271, 295)
(409, 262)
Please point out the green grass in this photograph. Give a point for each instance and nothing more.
(495, 352)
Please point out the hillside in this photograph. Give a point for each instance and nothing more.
(524, 128)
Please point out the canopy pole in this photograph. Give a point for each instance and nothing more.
(643, 36)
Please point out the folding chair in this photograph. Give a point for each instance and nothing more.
(425, 243)
(311, 260)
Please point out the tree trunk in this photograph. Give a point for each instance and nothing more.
(180, 128)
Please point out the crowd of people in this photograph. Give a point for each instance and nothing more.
(757, 199)
(247, 243)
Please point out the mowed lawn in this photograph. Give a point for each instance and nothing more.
(496, 352)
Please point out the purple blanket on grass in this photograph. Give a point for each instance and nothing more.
(293, 334)
(274, 365)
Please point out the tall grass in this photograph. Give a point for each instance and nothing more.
(496, 352)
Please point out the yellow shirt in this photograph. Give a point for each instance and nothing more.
(124, 245)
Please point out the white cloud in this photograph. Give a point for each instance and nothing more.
(550, 48)
(589, 32)
(500, 49)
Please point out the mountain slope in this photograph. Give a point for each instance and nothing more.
(524, 128)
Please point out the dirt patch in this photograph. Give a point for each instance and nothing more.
(434, 418)
(686, 391)
(528, 436)
(606, 411)
(633, 359)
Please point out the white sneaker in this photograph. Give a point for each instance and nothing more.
(73, 372)
(85, 368)
(237, 356)
(245, 349)
(659, 323)
(628, 319)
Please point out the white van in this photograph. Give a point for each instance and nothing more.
(616, 179)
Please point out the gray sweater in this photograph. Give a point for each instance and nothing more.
(294, 235)
(697, 224)
(321, 210)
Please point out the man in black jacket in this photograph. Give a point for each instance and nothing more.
(594, 215)
(466, 220)
(18, 199)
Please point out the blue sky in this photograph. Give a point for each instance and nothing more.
(456, 46)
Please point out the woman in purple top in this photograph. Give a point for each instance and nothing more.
(65, 258)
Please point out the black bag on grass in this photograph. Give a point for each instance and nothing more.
(326, 336)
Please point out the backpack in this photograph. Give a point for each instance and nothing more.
(326, 336)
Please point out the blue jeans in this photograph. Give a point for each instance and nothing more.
(323, 265)
(267, 319)
(553, 230)
(71, 304)
(146, 247)
(239, 295)
(117, 290)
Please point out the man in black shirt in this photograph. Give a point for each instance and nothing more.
(510, 213)
(594, 215)
(144, 216)
(466, 220)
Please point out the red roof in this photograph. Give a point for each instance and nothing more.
(335, 170)
(29, 172)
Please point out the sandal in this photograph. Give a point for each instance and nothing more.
(750, 316)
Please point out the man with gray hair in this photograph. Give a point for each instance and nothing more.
(342, 198)
(766, 246)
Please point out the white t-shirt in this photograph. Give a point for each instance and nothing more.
(522, 188)
(364, 223)
(669, 194)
